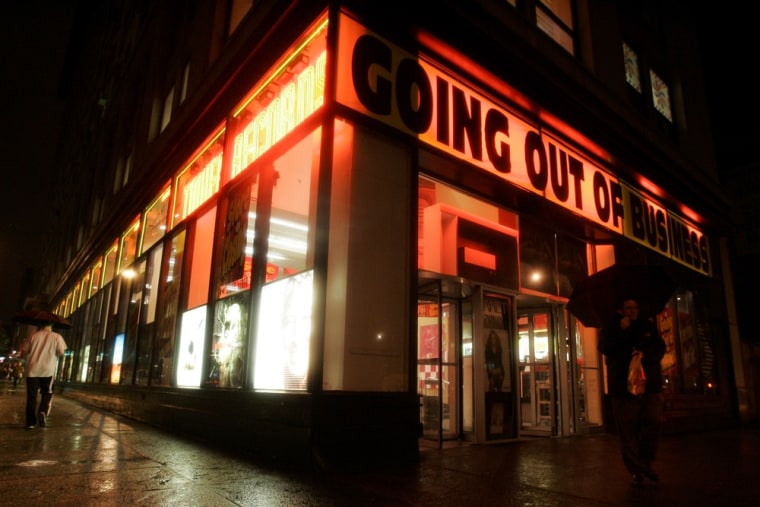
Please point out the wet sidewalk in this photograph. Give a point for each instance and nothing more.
(88, 457)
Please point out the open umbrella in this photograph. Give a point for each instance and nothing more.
(41, 317)
(596, 299)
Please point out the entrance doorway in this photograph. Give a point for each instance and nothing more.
(536, 373)
(444, 360)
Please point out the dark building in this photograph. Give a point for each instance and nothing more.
(335, 231)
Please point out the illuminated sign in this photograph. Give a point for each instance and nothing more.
(424, 100)
(292, 92)
(200, 178)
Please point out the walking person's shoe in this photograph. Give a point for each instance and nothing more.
(42, 419)
(31, 427)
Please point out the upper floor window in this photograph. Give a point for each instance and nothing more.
(555, 18)
(661, 96)
(631, 61)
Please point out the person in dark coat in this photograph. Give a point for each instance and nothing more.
(638, 418)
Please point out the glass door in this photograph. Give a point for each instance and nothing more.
(536, 379)
(444, 344)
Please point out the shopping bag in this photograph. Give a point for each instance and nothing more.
(637, 379)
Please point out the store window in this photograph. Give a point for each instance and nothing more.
(167, 307)
(237, 247)
(460, 235)
(550, 262)
(155, 219)
(285, 312)
(231, 310)
(85, 294)
(688, 366)
(192, 339)
(201, 247)
(97, 275)
(109, 263)
(147, 317)
(128, 245)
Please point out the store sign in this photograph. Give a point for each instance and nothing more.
(291, 92)
(426, 101)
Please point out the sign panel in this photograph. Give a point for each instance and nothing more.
(422, 99)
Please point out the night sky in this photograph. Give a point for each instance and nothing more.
(33, 38)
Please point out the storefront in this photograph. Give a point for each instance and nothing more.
(269, 285)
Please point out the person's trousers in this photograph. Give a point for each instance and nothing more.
(639, 424)
(43, 385)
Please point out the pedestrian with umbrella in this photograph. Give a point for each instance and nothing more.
(41, 351)
(623, 300)
(628, 339)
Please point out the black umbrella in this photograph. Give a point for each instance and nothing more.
(40, 318)
(596, 299)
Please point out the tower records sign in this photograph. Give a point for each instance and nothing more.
(421, 99)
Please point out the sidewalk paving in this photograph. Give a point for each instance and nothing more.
(87, 456)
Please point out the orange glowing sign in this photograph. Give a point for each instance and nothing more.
(292, 91)
(421, 98)
(200, 178)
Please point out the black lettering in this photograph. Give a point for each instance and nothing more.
(638, 220)
(662, 232)
(560, 184)
(465, 122)
(534, 153)
(576, 170)
(442, 125)
(497, 122)
(414, 96)
(369, 51)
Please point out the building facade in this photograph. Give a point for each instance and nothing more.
(337, 231)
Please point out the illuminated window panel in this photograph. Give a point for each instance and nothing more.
(109, 264)
(291, 92)
(199, 180)
(631, 61)
(84, 294)
(155, 219)
(128, 247)
(237, 256)
(97, 275)
(293, 201)
(661, 96)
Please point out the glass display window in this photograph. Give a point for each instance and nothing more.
(191, 347)
(229, 340)
(97, 275)
(128, 246)
(110, 260)
(237, 249)
(284, 331)
(167, 307)
(293, 214)
(147, 318)
(202, 246)
(155, 219)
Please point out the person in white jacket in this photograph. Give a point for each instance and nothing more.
(41, 352)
